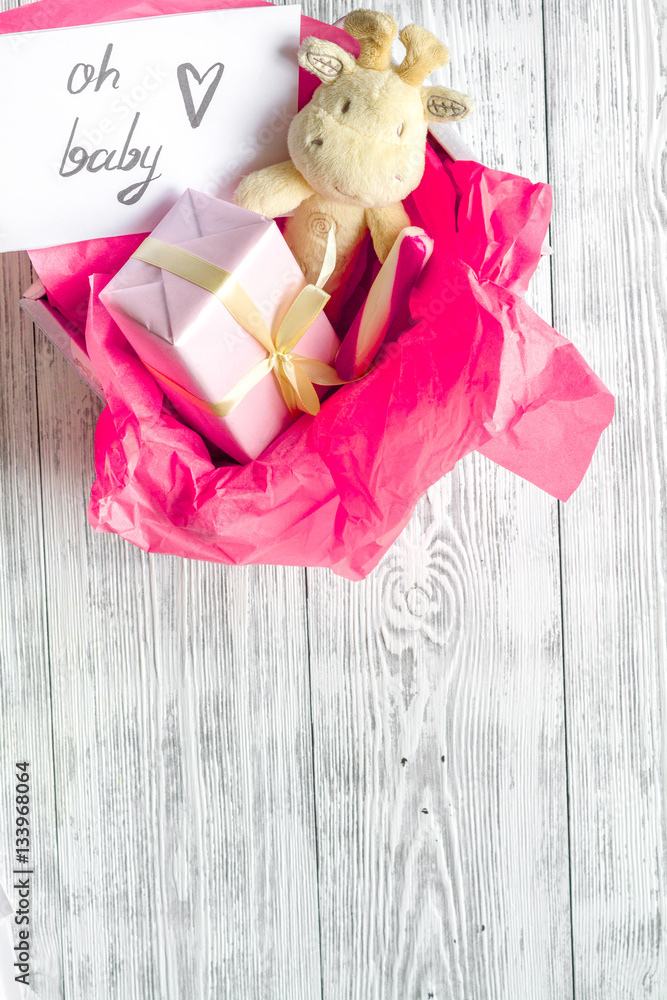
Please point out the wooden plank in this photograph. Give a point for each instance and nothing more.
(607, 131)
(437, 683)
(182, 751)
(444, 876)
(25, 703)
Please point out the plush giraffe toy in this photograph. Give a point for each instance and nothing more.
(358, 148)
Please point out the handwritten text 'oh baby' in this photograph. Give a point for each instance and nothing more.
(76, 158)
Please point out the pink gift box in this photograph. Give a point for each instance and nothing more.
(187, 335)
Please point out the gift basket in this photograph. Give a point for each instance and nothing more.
(440, 353)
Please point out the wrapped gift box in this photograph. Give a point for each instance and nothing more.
(193, 345)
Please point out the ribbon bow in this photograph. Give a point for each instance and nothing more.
(295, 374)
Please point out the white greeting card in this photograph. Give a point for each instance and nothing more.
(103, 126)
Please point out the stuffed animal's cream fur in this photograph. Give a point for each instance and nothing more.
(358, 148)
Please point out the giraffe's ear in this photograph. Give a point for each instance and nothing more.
(444, 105)
(325, 59)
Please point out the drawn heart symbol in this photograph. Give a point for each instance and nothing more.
(195, 116)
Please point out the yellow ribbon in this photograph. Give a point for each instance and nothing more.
(294, 373)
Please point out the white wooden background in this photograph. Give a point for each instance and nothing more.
(446, 782)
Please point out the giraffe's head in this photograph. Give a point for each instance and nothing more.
(362, 138)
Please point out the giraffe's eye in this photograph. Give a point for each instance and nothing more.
(345, 108)
(400, 128)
